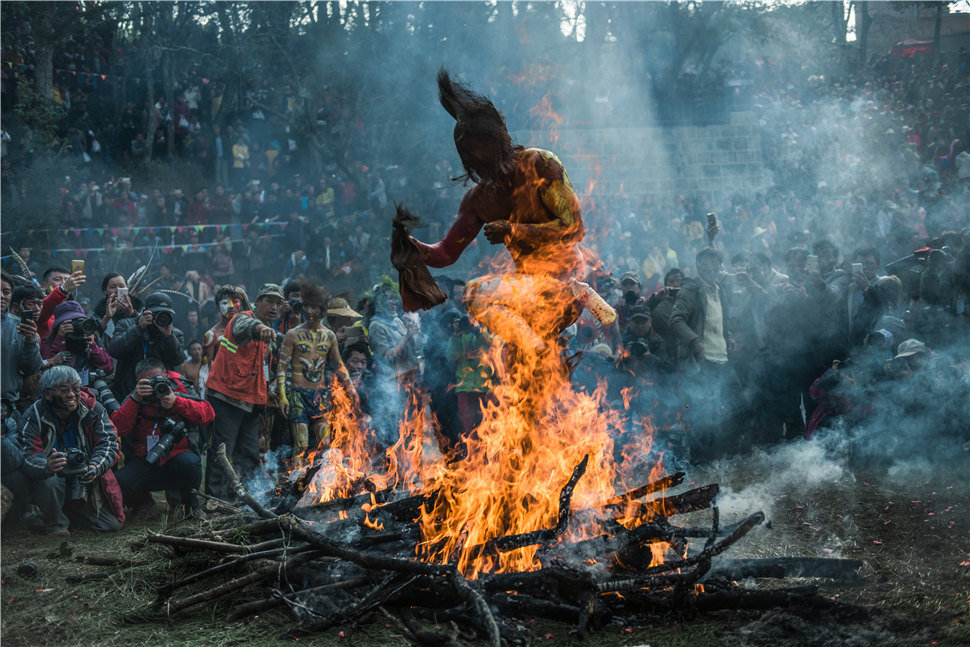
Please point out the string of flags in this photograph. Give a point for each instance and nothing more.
(151, 229)
(85, 76)
(82, 252)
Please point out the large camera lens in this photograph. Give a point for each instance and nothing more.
(161, 386)
(85, 326)
(296, 305)
(162, 318)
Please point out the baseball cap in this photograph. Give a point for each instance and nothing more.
(269, 290)
(641, 311)
(630, 276)
(159, 302)
(910, 347)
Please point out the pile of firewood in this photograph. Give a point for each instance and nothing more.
(329, 567)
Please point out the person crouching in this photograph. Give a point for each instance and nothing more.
(69, 448)
(156, 418)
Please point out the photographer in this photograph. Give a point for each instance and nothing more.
(149, 418)
(20, 353)
(59, 284)
(74, 342)
(151, 334)
(69, 446)
(19, 359)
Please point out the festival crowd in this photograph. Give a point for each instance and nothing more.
(230, 311)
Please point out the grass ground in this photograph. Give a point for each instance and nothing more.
(912, 535)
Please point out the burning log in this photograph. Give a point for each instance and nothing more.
(662, 484)
(581, 581)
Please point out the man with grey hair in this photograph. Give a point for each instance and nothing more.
(69, 446)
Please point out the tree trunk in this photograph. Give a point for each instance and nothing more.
(862, 23)
(169, 101)
(44, 73)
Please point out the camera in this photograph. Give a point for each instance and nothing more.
(99, 384)
(638, 347)
(296, 306)
(173, 433)
(161, 386)
(163, 318)
(28, 315)
(77, 462)
(86, 326)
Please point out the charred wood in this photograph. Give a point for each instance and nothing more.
(270, 570)
(779, 567)
(277, 599)
(655, 486)
(238, 487)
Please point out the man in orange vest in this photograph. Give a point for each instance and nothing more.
(237, 388)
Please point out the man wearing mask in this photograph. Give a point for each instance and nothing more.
(69, 447)
(237, 388)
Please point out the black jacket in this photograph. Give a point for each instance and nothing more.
(130, 344)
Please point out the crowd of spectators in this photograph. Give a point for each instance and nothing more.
(839, 291)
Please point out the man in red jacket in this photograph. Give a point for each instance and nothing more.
(163, 456)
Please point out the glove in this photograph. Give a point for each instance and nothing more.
(89, 475)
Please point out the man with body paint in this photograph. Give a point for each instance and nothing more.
(522, 198)
(302, 381)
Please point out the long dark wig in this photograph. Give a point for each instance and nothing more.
(479, 126)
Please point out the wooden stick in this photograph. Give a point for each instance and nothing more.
(299, 488)
(240, 582)
(237, 485)
(225, 566)
(303, 531)
(408, 624)
(247, 609)
(200, 544)
(661, 484)
(779, 567)
(389, 588)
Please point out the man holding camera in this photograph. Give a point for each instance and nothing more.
(151, 334)
(69, 446)
(155, 418)
(19, 359)
(237, 388)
